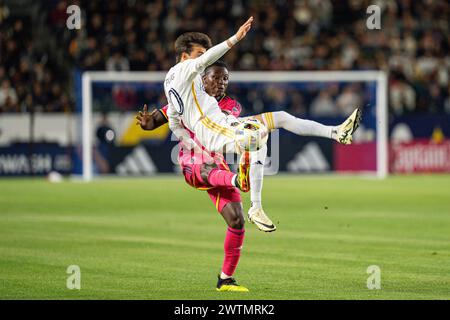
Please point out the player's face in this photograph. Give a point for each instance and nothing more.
(215, 81)
(196, 52)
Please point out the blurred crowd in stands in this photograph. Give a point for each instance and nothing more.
(28, 79)
(413, 45)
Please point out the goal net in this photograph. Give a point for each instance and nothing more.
(110, 142)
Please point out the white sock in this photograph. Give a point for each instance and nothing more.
(224, 276)
(282, 119)
(257, 161)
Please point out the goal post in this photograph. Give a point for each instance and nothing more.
(242, 77)
(87, 79)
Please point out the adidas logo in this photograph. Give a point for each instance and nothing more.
(137, 162)
(309, 159)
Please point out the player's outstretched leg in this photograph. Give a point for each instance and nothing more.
(301, 127)
(232, 247)
(233, 214)
(344, 132)
(256, 213)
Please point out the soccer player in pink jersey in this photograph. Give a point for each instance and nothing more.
(227, 200)
(192, 110)
(212, 177)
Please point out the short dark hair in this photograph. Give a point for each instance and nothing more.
(218, 63)
(187, 40)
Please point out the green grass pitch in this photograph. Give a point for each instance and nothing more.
(157, 238)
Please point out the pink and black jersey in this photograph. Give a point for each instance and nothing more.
(230, 105)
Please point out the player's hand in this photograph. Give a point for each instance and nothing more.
(244, 29)
(145, 119)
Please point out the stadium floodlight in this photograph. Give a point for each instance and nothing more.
(377, 77)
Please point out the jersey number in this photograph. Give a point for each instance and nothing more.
(177, 102)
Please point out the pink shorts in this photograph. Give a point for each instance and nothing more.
(220, 196)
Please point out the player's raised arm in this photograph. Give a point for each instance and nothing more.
(214, 53)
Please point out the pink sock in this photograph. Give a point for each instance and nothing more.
(221, 178)
(232, 248)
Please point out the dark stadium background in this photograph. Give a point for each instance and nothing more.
(41, 62)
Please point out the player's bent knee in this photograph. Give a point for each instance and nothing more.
(237, 222)
(234, 215)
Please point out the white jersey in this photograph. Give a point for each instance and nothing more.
(191, 106)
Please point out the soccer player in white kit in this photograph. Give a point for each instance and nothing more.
(189, 104)
(192, 108)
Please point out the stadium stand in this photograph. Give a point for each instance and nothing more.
(413, 45)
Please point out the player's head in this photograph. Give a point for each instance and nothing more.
(191, 45)
(215, 79)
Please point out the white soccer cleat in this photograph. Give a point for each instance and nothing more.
(344, 132)
(262, 221)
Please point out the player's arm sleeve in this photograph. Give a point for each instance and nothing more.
(198, 65)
